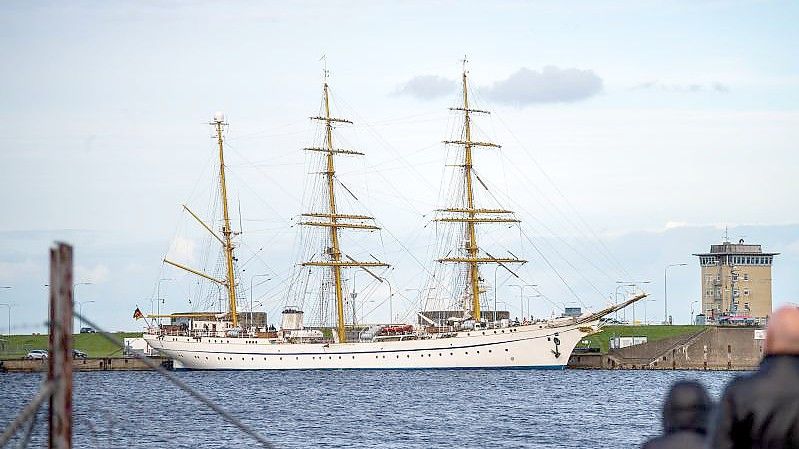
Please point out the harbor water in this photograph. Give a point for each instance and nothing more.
(365, 409)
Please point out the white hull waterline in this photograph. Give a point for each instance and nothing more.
(531, 346)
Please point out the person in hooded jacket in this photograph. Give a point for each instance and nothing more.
(685, 418)
(761, 410)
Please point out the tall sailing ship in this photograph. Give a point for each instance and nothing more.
(468, 338)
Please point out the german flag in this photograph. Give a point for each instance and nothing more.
(137, 314)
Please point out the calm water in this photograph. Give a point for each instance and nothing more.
(366, 409)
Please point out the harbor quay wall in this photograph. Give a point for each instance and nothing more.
(714, 348)
(88, 364)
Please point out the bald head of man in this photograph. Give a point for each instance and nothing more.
(782, 335)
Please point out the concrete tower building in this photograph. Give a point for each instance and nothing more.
(736, 282)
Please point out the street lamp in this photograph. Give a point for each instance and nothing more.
(692, 312)
(528, 304)
(666, 290)
(616, 297)
(630, 284)
(158, 297)
(74, 289)
(6, 287)
(251, 294)
(390, 299)
(646, 315)
(9, 316)
(521, 292)
(495, 294)
(80, 309)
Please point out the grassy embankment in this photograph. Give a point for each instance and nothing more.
(95, 345)
(653, 333)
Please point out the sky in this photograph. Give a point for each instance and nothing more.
(633, 134)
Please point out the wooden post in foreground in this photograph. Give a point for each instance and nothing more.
(60, 357)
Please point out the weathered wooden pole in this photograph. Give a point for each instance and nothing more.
(60, 357)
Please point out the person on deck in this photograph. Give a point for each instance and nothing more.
(761, 410)
(685, 416)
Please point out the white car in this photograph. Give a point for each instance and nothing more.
(37, 354)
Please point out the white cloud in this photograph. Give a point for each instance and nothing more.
(714, 86)
(549, 85)
(675, 224)
(181, 250)
(15, 271)
(96, 274)
(426, 87)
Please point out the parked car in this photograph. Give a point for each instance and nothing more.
(37, 354)
(78, 354)
(87, 330)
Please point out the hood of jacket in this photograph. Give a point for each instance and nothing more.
(686, 408)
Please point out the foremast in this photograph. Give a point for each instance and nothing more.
(332, 219)
(472, 215)
(226, 239)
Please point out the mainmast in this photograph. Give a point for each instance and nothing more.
(333, 219)
(227, 233)
(471, 215)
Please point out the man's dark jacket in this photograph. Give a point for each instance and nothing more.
(685, 415)
(761, 410)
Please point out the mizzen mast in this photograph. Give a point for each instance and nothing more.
(332, 218)
(227, 232)
(471, 215)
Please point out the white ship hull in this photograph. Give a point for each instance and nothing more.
(531, 346)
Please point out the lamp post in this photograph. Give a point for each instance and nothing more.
(251, 294)
(9, 316)
(646, 315)
(616, 297)
(528, 303)
(75, 289)
(692, 312)
(158, 297)
(521, 293)
(390, 299)
(630, 284)
(7, 287)
(80, 309)
(152, 307)
(666, 290)
(495, 294)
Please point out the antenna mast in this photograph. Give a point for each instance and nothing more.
(332, 219)
(472, 215)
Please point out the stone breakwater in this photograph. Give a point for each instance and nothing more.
(713, 348)
(87, 364)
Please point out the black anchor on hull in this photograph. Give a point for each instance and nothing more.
(556, 340)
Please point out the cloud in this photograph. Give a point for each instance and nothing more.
(675, 224)
(549, 85)
(426, 87)
(181, 250)
(15, 271)
(689, 88)
(96, 274)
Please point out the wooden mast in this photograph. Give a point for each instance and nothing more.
(336, 220)
(471, 215)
